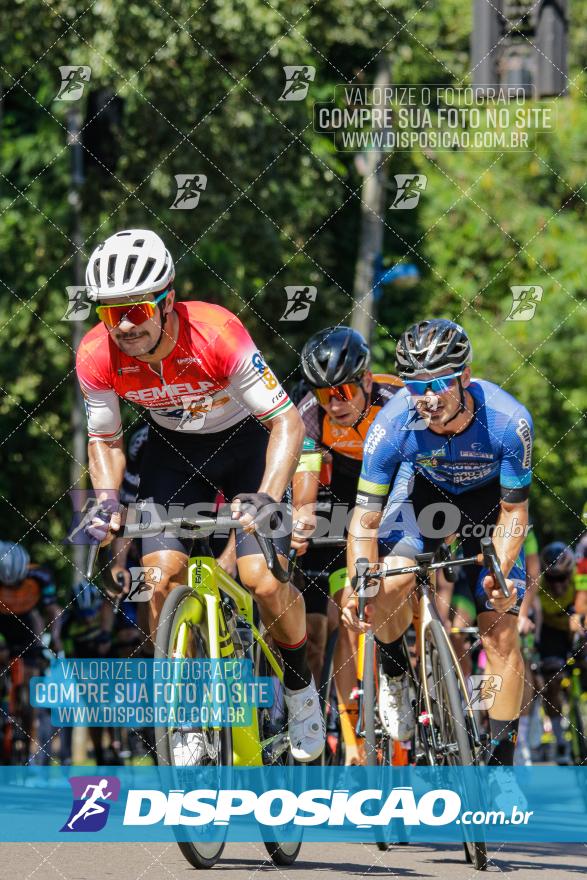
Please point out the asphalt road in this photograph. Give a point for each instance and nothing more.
(246, 861)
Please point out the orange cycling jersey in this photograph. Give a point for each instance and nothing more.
(36, 588)
(213, 378)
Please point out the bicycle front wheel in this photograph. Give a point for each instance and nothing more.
(454, 740)
(179, 636)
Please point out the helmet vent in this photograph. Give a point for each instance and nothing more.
(111, 267)
(162, 272)
(147, 270)
(139, 242)
(130, 264)
(97, 273)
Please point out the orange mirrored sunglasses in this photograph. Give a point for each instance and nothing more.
(339, 392)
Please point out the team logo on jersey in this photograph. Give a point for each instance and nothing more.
(374, 438)
(92, 796)
(297, 81)
(525, 434)
(267, 377)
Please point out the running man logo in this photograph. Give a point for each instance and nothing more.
(78, 308)
(142, 583)
(73, 81)
(297, 82)
(189, 189)
(524, 302)
(409, 189)
(92, 796)
(299, 300)
(483, 690)
(416, 421)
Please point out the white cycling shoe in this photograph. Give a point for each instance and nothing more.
(188, 748)
(305, 723)
(395, 708)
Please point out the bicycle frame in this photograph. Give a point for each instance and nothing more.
(208, 581)
(428, 613)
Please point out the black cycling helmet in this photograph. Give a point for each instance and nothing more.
(557, 560)
(432, 346)
(334, 356)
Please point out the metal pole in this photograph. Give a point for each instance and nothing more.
(372, 208)
(78, 431)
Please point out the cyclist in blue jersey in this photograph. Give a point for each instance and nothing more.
(464, 446)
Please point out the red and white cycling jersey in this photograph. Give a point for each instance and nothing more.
(213, 378)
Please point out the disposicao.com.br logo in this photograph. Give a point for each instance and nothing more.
(92, 796)
(312, 808)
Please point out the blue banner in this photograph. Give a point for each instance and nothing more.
(346, 804)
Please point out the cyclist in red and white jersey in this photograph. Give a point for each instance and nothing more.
(218, 418)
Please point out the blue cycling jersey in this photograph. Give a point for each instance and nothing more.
(497, 444)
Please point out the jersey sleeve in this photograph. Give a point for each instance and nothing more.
(516, 463)
(312, 449)
(251, 381)
(381, 455)
(100, 400)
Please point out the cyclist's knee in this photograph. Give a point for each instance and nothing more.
(502, 645)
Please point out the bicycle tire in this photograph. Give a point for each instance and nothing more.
(377, 744)
(281, 853)
(446, 684)
(205, 854)
(330, 757)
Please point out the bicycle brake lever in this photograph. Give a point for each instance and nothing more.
(491, 562)
(92, 554)
(362, 566)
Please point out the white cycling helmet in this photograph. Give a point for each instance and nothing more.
(130, 262)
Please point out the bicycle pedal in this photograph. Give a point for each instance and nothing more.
(425, 718)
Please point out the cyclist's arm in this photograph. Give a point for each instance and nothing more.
(283, 452)
(507, 546)
(381, 455)
(515, 479)
(306, 482)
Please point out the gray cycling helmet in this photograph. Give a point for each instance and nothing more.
(14, 562)
(334, 356)
(432, 346)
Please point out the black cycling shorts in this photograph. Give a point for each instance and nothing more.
(180, 470)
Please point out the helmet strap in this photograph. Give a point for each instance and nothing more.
(462, 406)
(163, 321)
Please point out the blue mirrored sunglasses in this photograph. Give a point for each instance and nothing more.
(437, 386)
